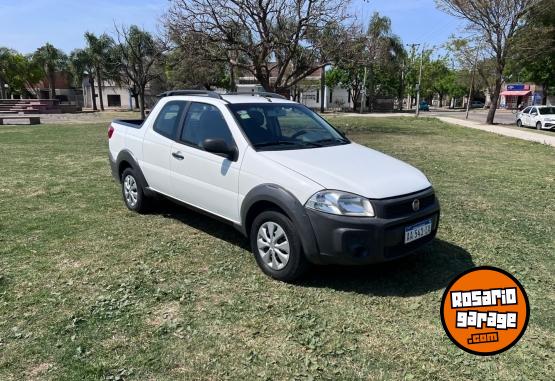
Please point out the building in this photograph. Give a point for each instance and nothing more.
(523, 94)
(114, 96)
(307, 91)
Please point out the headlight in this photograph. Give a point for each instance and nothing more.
(341, 203)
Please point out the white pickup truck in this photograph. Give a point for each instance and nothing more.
(281, 174)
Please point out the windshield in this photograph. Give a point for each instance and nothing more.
(546, 110)
(281, 126)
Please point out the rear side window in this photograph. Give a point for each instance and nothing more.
(167, 122)
(204, 121)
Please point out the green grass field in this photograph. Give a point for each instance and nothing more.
(91, 291)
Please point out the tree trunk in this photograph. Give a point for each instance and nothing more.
(93, 93)
(142, 102)
(370, 88)
(440, 100)
(232, 84)
(494, 100)
(52, 85)
(136, 98)
(99, 82)
(322, 88)
(544, 94)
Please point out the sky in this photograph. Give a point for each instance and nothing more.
(26, 25)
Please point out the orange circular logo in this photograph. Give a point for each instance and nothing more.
(485, 311)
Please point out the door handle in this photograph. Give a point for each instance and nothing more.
(178, 155)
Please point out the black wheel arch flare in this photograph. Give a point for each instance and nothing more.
(290, 205)
(125, 159)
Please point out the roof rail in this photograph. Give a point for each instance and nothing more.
(264, 94)
(211, 94)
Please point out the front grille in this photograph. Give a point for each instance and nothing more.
(404, 207)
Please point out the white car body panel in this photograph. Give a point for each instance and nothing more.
(258, 169)
(353, 168)
(219, 186)
(532, 117)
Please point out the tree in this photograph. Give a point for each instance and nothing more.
(140, 59)
(186, 67)
(50, 60)
(496, 22)
(98, 52)
(81, 64)
(442, 77)
(533, 57)
(385, 58)
(348, 68)
(18, 72)
(279, 42)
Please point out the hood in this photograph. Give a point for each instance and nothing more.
(353, 168)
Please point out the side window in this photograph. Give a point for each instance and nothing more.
(526, 110)
(168, 119)
(534, 111)
(204, 121)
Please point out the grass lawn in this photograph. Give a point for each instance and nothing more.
(89, 290)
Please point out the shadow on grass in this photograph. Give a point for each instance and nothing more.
(200, 221)
(429, 268)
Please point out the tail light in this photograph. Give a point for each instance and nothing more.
(110, 131)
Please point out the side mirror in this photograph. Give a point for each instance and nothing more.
(220, 147)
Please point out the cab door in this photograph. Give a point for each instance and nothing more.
(157, 145)
(526, 116)
(534, 116)
(203, 179)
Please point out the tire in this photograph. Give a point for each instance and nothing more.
(539, 126)
(519, 123)
(132, 191)
(272, 233)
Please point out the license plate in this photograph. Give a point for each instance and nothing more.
(419, 230)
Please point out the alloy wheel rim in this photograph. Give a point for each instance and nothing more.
(130, 191)
(273, 245)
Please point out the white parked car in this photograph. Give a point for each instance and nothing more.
(282, 175)
(541, 117)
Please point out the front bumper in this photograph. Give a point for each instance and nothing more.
(363, 240)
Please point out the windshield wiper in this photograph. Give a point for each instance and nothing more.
(288, 143)
(333, 140)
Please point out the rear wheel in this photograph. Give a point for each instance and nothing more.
(519, 123)
(539, 125)
(276, 246)
(132, 191)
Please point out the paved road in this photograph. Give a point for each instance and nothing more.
(476, 115)
(523, 134)
(476, 120)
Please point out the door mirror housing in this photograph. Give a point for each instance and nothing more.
(220, 147)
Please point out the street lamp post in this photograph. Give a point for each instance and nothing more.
(471, 85)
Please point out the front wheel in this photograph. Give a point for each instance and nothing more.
(539, 126)
(132, 191)
(519, 123)
(276, 246)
